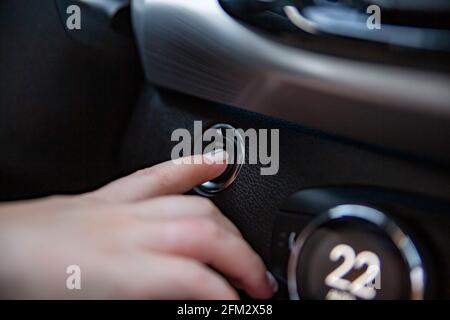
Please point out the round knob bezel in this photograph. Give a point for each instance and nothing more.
(404, 244)
(213, 187)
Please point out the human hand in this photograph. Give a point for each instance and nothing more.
(134, 238)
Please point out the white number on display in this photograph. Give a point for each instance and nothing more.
(362, 287)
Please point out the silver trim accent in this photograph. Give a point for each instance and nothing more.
(299, 20)
(196, 48)
(210, 188)
(404, 244)
(353, 25)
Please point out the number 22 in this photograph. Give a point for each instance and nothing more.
(361, 286)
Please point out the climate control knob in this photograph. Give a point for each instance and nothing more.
(355, 252)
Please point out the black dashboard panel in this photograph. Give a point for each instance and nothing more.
(309, 159)
(196, 47)
(360, 124)
(63, 104)
(364, 123)
(417, 227)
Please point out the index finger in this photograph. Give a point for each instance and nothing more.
(170, 177)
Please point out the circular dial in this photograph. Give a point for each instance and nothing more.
(354, 252)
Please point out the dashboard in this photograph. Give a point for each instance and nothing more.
(358, 204)
(359, 207)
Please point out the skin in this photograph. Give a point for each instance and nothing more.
(138, 237)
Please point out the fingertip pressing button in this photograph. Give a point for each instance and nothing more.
(232, 142)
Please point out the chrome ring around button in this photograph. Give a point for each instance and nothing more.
(222, 182)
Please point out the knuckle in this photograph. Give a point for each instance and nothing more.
(207, 206)
(154, 172)
(197, 271)
(211, 230)
(193, 273)
(117, 216)
(198, 231)
(207, 281)
(145, 171)
(115, 212)
(93, 197)
(157, 176)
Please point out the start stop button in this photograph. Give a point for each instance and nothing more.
(228, 138)
(355, 252)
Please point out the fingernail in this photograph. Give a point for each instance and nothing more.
(216, 156)
(272, 281)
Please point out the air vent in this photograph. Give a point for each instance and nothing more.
(415, 24)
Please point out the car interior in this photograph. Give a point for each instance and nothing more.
(357, 93)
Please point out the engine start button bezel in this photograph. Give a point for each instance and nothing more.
(231, 138)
